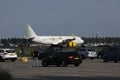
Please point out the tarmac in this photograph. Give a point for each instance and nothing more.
(90, 69)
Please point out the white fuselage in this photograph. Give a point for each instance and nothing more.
(56, 39)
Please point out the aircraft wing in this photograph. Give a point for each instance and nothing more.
(63, 42)
(67, 41)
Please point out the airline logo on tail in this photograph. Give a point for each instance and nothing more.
(52, 40)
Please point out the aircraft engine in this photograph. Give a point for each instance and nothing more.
(72, 44)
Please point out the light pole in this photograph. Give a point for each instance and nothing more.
(97, 36)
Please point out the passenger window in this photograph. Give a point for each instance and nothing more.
(1, 51)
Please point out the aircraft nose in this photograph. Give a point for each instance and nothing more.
(82, 41)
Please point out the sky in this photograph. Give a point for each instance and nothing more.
(84, 18)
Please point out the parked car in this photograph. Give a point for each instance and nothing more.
(102, 52)
(61, 58)
(112, 54)
(7, 54)
(87, 53)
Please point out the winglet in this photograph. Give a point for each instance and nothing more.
(73, 36)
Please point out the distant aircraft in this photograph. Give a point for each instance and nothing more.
(70, 41)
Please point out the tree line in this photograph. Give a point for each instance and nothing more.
(87, 40)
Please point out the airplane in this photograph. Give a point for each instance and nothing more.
(70, 41)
